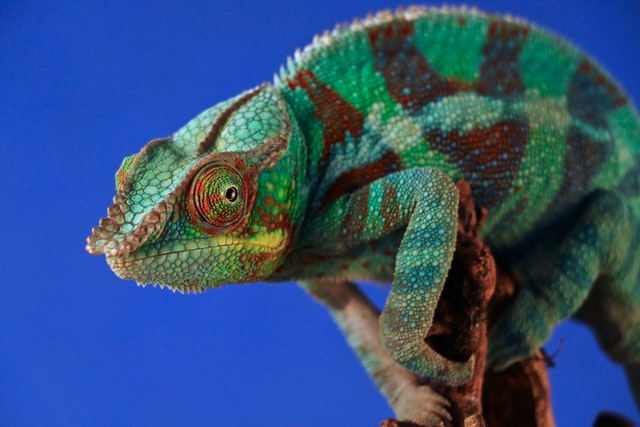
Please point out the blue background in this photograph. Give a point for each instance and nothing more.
(82, 84)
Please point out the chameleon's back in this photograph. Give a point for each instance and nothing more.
(530, 121)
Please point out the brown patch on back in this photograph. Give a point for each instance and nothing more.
(488, 157)
(500, 70)
(410, 79)
(582, 161)
(591, 95)
(357, 178)
(337, 116)
(590, 98)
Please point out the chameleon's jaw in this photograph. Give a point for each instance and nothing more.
(195, 265)
(155, 271)
(190, 269)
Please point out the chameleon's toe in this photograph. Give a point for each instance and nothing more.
(420, 404)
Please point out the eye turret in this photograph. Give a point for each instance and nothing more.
(218, 197)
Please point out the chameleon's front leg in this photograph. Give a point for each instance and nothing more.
(429, 202)
(423, 202)
(357, 318)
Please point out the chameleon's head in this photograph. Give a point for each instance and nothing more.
(215, 203)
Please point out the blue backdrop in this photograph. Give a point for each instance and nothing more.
(83, 84)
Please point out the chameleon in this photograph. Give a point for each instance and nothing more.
(343, 169)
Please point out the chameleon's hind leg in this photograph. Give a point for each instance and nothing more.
(611, 310)
(357, 318)
(600, 247)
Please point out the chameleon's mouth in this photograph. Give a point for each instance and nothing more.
(173, 270)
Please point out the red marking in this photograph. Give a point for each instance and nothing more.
(591, 95)
(400, 29)
(410, 79)
(582, 162)
(500, 70)
(389, 208)
(462, 21)
(489, 157)
(356, 217)
(357, 178)
(121, 178)
(282, 221)
(336, 115)
(253, 263)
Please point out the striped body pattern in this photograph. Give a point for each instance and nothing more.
(344, 169)
(512, 102)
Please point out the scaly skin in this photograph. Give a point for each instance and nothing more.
(344, 169)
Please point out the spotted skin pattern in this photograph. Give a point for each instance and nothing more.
(343, 169)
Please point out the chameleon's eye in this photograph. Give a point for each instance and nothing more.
(217, 197)
(231, 194)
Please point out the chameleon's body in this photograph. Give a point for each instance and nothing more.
(343, 169)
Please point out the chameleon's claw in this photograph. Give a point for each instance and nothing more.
(421, 405)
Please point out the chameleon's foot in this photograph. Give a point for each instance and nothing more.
(411, 400)
(518, 334)
(421, 405)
